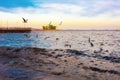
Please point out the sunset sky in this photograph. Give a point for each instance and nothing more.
(75, 14)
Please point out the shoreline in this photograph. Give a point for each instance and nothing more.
(68, 64)
(28, 30)
(15, 31)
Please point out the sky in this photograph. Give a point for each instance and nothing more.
(75, 14)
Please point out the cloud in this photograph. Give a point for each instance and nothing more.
(88, 8)
(69, 11)
(84, 8)
(69, 8)
(102, 6)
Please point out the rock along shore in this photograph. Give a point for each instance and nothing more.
(56, 64)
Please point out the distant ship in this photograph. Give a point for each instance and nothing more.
(50, 26)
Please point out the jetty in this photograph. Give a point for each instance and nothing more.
(15, 30)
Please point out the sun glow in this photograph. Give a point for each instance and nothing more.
(77, 15)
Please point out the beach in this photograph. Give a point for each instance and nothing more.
(60, 40)
(93, 55)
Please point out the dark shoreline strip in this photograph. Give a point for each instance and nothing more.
(15, 31)
(72, 52)
(82, 53)
(104, 71)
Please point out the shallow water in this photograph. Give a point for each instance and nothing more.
(63, 39)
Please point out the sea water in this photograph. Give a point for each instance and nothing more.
(63, 39)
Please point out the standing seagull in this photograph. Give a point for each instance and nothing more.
(25, 20)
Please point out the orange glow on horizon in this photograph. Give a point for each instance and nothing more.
(67, 23)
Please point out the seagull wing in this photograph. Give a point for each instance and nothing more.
(60, 23)
(24, 19)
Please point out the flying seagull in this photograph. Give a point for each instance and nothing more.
(60, 23)
(50, 22)
(25, 20)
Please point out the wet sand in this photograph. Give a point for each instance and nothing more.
(55, 64)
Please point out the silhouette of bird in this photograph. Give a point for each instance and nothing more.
(27, 36)
(67, 45)
(50, 22)
(25, 20)
(37, 36)
(46, 37)
(89, 40)
(60, 23)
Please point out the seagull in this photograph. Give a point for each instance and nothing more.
(50, 22)
(89, 40)
(25, 20)
(27, 36)
(60, 23)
